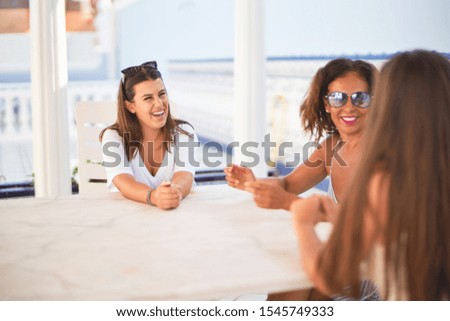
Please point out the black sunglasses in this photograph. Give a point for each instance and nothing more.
(131, 71)
(338, 99)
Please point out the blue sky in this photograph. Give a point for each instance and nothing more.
(201, 29)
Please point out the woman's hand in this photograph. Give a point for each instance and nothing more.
(267, 195)
(331, 210)
(166, 196)
(307, 212)
(312, 210)
(237, 176)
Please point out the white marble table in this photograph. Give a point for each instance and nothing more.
(216, 244)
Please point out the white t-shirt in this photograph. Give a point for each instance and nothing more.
(178, 159)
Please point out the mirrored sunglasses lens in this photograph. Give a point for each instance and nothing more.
(361, 99)
(337, 99)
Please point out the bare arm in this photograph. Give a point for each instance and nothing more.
(165, 196)
(130, 188)
(310, 173)
(376, 214)
(308, 212)
(182, 181)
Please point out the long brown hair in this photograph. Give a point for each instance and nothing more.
(127, 124)
(408, 141)
(315, 120)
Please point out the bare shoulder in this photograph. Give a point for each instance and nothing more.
(378, 184)
(327, 146)
(378, 195)
(321, 150)
(330, 142)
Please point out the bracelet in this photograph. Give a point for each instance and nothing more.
(149, 197)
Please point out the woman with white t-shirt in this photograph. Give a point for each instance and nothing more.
(147, 154)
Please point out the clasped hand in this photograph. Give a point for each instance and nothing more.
(166, 196)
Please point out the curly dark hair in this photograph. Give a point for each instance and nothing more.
(315, 120)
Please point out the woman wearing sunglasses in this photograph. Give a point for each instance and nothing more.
(337, 104)
(393, 224)
(141, 152)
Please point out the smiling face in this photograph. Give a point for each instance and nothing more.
(349, 119)
(150, 104)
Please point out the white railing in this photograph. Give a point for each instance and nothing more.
(15, 103)
(16, 164)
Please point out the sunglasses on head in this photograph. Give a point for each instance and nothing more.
(131, 71)
(338, 99)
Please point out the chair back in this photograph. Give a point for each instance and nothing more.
(91, 118)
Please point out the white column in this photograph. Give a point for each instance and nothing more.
(105, 24)
(49, 103)
(249, 83)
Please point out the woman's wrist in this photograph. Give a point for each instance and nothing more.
(290, 198)
(149, 197)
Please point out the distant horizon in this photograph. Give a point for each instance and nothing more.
(369, 56)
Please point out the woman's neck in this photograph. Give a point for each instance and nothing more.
(152, 135)
(351, 141)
